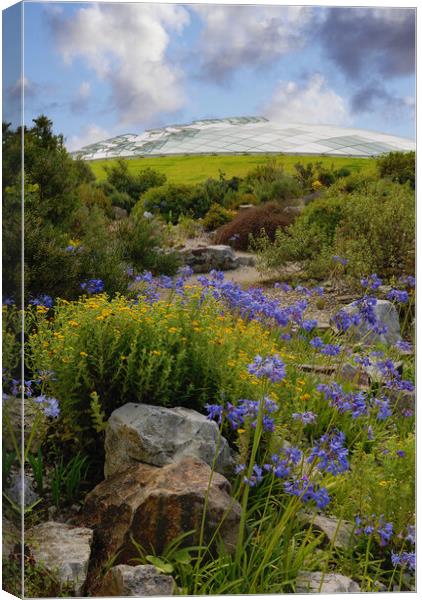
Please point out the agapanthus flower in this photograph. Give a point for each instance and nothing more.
(344, 320)
(373, 282)
(43, 300)
(331, 453)
(285, 287)
(93, 286)
(330, 350)
(404, 560)
(374, 526)
(408, 280)
(307, 491)
(215, 412)
(400, 296)
(50, 406)
(404, 346)
(316, 342)
(353, 402)
(271, 367)
(309, 324)
(306, 417)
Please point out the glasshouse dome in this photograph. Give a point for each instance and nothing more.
(252, 135)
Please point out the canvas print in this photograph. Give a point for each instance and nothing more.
(208, 299)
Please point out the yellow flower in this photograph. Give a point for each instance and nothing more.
(300, 382)
(156, 352)
(74, 323)
(231, 363)
(172, 330)
(383, 483)
(305, 397)
(83, 353)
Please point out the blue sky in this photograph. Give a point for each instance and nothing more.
(100, 69)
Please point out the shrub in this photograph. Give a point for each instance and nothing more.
(132, 186)
(216, 217)
(171, 201)
(251, 222)
(398, 166)
(183, 353)
(373, 229)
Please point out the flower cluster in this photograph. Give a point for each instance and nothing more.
(307, 491)
(393, 377)
(400, 296)
(327, 349)
(404, 560)
(281, 464)
(246, 412)
(271, 367)
(340, 260)
(373, 282)
(407, 280)
(344, 320)
(306, 417)
(50, 406)
(365, 306)
(93, 286)
(330, 453)
(374, 526)
(43, 300)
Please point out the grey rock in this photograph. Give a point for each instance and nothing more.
(376, 375)
(386, 314)
(332, 583)
(139, 581)
(402, 401)
(355, 374)
(245, 260)
(17, 484)
(63, 550)
(13, 406)
(340, 535)
(204, 259)
(140, 433)
(119, 213)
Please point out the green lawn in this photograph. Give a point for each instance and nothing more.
(197, 168)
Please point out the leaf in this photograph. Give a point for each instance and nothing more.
(182, 556)
(162, 566)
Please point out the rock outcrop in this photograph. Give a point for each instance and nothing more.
(332, 583)
(137, 582)
(64, 550)
(156, 505)
(140, 433)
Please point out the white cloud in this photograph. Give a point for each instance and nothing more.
(236, 36)
(90, 134)
(313, 102)
(126, 45)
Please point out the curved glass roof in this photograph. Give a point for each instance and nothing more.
(239, 135)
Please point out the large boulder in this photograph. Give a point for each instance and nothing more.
(137, 582)
(324, 583)
(159, 436)
(385, 313)
(156, 505)
(19, 483)
(204, 259)
(64, 550)
(337, 533)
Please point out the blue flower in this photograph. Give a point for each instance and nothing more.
(309, 324)
(50, 406)
(400, 296)
(331, 453)
(271, 367)
(342, 261)
(404, 346)
(43, 300)
(373, 282)
(215, 412)
(92, 286)
(317, 342)
(307, 492)
(405, 560)
(306, 417)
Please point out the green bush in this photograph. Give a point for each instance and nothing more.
(373, 229)
(182, 353)
(217, 216)
(130, 187)
(398, 166)
(172, 201)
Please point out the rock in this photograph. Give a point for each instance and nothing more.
(14, 490)
(204, 259)
(402, 402)
(159, 436)
(64, 550)
(386, 314)
(339, 535)
(332, 583)
(245, 260)
(11, 537)
(156, 505)
(355, 374)
(139, 581)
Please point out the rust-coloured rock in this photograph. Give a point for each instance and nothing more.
(156, 505)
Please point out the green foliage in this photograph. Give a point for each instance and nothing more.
(66, 480)
(8, 460)
(37, 466)
(217, 216)
(398, 166)
(372, 228)
(172, 201)
(130, 186)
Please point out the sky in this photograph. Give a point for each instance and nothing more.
(102, 69)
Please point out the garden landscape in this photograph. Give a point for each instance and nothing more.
(208, 300)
